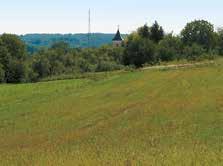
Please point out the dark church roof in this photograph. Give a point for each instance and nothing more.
(118, 36)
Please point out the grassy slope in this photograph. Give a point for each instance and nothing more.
(171, 117)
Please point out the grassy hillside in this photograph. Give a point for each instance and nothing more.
(154, 117)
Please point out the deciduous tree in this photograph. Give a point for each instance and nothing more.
(200, 32)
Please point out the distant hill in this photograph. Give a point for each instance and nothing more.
(36, 41)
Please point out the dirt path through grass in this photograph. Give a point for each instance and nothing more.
(178, 65)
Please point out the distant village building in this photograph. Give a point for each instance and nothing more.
(117, 40)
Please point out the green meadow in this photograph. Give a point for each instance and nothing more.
(153, 117)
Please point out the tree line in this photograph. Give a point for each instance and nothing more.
(148, 45)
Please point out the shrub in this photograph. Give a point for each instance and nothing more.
(194, 52)
(166, 54)
(139, 51)
(57, 68)
(17, 72)
(108, 66)
(85, 66)
(170, 48)
(41, 66)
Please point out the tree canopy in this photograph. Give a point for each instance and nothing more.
(200, 32)
(157, 32)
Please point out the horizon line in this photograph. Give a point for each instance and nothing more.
(58, 33)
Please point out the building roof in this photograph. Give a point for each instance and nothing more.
(118, 36)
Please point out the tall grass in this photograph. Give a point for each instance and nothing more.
(154, 117)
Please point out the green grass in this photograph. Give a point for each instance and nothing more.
(166, 117)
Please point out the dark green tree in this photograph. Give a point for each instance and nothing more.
(194, 52)
(17, 72)
(220, 40)
(144, 31)
(13, 58)
(16, 48)
(170, 48)
(57, 68)
(156, 32)
(4, 55)
(200, 32)
(41, 66)
(139, 51)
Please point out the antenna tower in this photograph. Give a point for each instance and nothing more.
(89, 27)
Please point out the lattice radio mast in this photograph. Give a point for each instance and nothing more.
(89, 27)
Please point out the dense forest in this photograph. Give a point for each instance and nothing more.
(35, 42)
(148, 45)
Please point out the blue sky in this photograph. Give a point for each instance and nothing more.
(70, 16)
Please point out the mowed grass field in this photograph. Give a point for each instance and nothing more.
(154, 117)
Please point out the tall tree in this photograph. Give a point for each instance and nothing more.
(14, 45)
(220, 40)
(4, 55)
(200, 32)
(156, 32)
(13, 58)
(144, 31)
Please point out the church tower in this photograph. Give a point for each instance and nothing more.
(117, 40)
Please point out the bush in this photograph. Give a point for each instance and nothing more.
(17, 72)
(85, 66)
(32, 75)
(211, 54)
(166, 54)
(108, 66)
(139, 51)
(41, 66)
(170, 48)
(194, 52)
(57, 68)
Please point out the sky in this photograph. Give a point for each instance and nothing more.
(71, 16)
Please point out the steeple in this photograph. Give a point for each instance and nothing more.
(117, 40)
